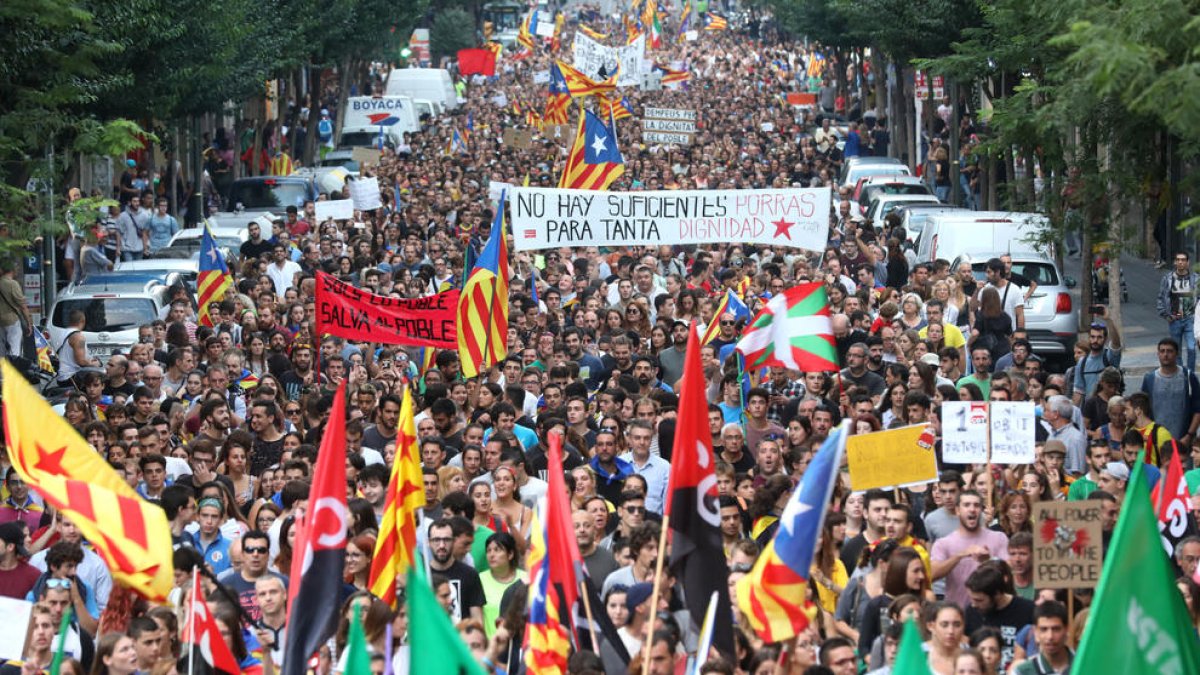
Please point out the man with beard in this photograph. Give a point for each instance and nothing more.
(876, 504)
(277, 357)
(301, 375)
(875, 359)
(214, 420)
(265, 420)
(466, 592)
(644, 373)
(591, 369)
(598, 560)
(956, 556)
(981, 359)
(845, 335)
(620, 357)
(670, 360)
(994, 604)
(378, 435)
(857, 374)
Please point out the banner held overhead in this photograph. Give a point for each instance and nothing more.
(551, 217)
(350, 312)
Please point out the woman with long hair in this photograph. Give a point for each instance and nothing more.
(922, 377)
(988, 642)
(115, 655)
(993, 325)
(1095, 407)
(256, 354)
(827, 570)
(767, 505)
(481, 494)
(853, 507)
(905, 574)
(450, 479)
(508, 503)
(585, 486)
(891, 408)
(501, 573)
(1016, 510)
(374, 614)
(944, 622)
(358, 561)
(235, 465)
(287, 539)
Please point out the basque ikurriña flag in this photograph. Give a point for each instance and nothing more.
(320, 551)
(697, 556)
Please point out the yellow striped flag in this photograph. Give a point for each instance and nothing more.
(214, 278)
(592, 33)
(129, 533)
(579, 84)
(483, 305)
(395, 549)
(595, 160)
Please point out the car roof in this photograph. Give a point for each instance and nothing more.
(884, 179)
(871, 159)
(167, 264)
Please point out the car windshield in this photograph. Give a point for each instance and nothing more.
(268, 194)
(1043, 274)
(106, 314)
(869, 191)
(362, 139)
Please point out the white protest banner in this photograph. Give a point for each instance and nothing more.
(964, 432)
(666, 138)
(364, 192)
(1012, 432)
(12, 642)
(496, 188)
(691, 35)
(545, 24)
(590, 56)
(541, 77)
(551, 217)
(338, 209)
(668, 125)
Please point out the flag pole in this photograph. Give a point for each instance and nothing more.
(658, 568)
(192, 622)
(587, 609)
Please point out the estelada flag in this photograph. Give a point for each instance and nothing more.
(129, 533)
(320, 550)
(697, 555)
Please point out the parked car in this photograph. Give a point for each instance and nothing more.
(869, 187)
(914, 216)
(1051, 317)
(857, 167)
(884, 204)
(257, 195)
(114, 305)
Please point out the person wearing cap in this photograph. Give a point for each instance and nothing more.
(17, 577)
(1113, 479)
(633, 633)
(1054, 454)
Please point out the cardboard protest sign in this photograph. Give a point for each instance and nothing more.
(337, 209)
(352, 313)
(12, 642)
(364, 193)
(551, 217)
(893, 458)
(522, 139)
(668, 125)
(366, 155)
(964, 432)
(1012, 432)
(1067, 544)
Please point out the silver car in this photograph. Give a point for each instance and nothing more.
(1051, 315)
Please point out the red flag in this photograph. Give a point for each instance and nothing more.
(320, 550)
(1171, 503)
(697, 555)
(477, 62)
(201, 629)
(566, 563)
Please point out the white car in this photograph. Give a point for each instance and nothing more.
(884, 204)
(186, 269)
(115, 305)
(231, 237)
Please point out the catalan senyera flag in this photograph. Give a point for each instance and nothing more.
(395, 549)
(129, 533)
(772, 594)
(579, 84)
(214, 278)
(631, 30)
(592, 33)
(715, 22)
(483, 304)
(730, 304)
(560, 98)
(595, 161)
(525, 32)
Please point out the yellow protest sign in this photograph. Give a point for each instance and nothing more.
(891, 458)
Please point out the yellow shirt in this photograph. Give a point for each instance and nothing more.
(826, 597)
(951, 335)
(912, 543)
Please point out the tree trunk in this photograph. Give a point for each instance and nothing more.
(348, 66)
(1010, 183)
(879, 71)
(1030, 192)
(993, 175)
(314, 116)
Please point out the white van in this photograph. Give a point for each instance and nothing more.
(981, 233)
(433, 84)
(368, 116)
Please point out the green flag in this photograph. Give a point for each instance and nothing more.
(910, 658)
(358, 661)
(434, 645)
(60, 651)
(1138, 622)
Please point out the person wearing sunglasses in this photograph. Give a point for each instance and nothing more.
(256, 549)
(62, 563)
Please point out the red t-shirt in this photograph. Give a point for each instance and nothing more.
(18, 581)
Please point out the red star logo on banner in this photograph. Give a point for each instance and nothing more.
(783, 228)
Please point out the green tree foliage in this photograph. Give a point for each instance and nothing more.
(452, 30)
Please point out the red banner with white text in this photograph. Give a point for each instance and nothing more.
(352, 313)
